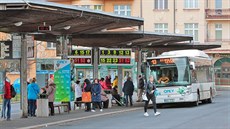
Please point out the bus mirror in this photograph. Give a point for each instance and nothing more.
(192, 66)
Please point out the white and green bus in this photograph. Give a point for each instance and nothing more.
(190, 76)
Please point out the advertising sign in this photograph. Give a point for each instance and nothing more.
(62, 80)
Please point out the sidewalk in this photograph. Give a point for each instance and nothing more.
(64, 117)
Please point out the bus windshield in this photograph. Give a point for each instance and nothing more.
(171, 73)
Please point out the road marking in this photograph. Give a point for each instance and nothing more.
(76, 119)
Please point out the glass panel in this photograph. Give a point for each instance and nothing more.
(166, 4)
(218, 4)
(128, 13)
(218, 34)
(196, 35)
(177, 73)
(115, 7)
(122, 7)
(156, 4)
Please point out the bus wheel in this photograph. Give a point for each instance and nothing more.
(210, 99)
(196, 103)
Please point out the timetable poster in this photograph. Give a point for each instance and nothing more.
(62, 80)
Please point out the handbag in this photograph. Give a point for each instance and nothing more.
(86, 97)
(144, 97)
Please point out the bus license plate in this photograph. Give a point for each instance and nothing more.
(168, 100)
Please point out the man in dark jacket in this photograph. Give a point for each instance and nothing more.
(140, 89)
(128, 91)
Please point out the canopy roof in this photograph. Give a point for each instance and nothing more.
(81, 20)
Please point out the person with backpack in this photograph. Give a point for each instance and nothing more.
(33, 92)
(6, 100)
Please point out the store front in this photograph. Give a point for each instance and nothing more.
(222, 71)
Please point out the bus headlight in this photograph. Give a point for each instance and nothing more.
(188, 90)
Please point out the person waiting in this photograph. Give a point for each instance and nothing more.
(163, 79)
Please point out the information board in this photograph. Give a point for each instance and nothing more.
(81, 56)
(62, 80)
(115, 56)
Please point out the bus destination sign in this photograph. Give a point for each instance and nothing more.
(162, 61)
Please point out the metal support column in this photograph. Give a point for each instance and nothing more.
(64, 43)
(95, 62)
(120, 76)
(139, 62)
(23, 77)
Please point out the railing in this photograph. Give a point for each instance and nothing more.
(217, 13)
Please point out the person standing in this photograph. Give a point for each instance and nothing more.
(96, 95)
(150, 89)
(128, 91)
(140, 88)
(6, 101)
(50, 91)
(87, 88)
(103, 84)
(115, 82)
(78, 92)
(33, 91)
(108, 82)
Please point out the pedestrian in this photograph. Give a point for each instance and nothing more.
(50, 91)
(78, 92)
(115, 82)
(128, 91)
(108, 82)
(150, 89)
(6, 100)
(104, 99)
(96, 95)
(103, 84)
(33, 92)
(140, 88)
(87, 88)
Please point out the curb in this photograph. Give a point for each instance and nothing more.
(223, 88)
(77, 119)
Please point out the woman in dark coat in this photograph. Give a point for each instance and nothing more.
(87, 88)
(128, 91)
(96, 94)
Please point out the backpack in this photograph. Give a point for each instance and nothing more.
(13, 92)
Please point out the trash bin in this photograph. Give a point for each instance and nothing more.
(42, 106)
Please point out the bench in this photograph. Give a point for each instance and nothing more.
(78, 103)
(62, 105)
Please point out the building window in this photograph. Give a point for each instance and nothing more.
(86, 6)
(218, 31)
(161, 4)
(51, 45)
(218, 4)
(192, 29)
(191, 4)
(122, 10)
(161, 27)
(98, 7)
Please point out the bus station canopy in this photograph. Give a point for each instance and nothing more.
(86, 27)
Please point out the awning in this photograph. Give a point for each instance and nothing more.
(60, 17)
